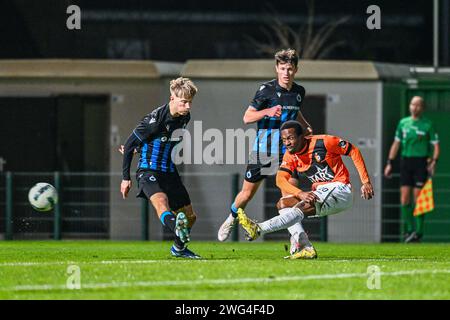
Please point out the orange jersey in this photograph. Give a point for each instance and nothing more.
(320, 161)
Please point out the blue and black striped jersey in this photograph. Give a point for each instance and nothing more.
(271, 94)
(153, 135)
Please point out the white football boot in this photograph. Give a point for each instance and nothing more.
(226, 228)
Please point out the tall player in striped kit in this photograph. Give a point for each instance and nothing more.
(276, 102)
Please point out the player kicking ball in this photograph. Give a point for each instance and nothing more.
(319, 158)
(157, 177)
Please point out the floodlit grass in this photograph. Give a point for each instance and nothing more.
(145, 270)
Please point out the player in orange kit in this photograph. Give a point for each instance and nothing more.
(319, 159)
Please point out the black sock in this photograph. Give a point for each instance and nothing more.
(178, 243)
(168, 219)
(233, 210)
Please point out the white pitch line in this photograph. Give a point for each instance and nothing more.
(56, 263)
(48, 287)
(106, 262)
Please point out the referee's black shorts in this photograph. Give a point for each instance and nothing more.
(413, 171)
(151, 182)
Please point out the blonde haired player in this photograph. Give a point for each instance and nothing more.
(157, 177)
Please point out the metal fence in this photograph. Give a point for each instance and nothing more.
(437, 222)
(82, 210)
(90, 207)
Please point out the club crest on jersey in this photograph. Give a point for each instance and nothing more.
(317, 157)
(342, 144)
(299, 98)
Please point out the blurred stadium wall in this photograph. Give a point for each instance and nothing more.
(71, 116)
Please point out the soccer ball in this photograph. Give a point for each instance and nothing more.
(43, 196)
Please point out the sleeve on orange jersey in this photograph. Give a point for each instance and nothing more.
(288, 164)
(282, 181)
(358, 160)
(284, 173)
(337, 145)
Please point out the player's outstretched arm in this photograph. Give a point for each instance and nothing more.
(305, 124)
(148, 126)
(358, 160)
(128, 152)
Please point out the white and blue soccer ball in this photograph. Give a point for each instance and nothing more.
(43, 196)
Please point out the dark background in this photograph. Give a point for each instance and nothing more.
(180, 30)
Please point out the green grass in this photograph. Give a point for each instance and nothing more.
(145, 270)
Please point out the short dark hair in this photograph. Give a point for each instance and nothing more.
(287, 56)
(293, 124)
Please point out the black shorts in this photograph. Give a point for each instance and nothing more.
(258, 169)
(413, 171)
(151, 182)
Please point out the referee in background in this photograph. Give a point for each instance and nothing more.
(415, 134)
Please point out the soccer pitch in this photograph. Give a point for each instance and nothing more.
(145, 270)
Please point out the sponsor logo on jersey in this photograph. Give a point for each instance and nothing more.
(262, 87)
(152, 120)
(163, 139)
(291, 108)
(342, 144)
(177, 139)
(299, 98)
(152, 178)
(321, 175)
(248, 174)
(279, 94)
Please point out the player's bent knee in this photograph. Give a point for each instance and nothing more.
(286, 202)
